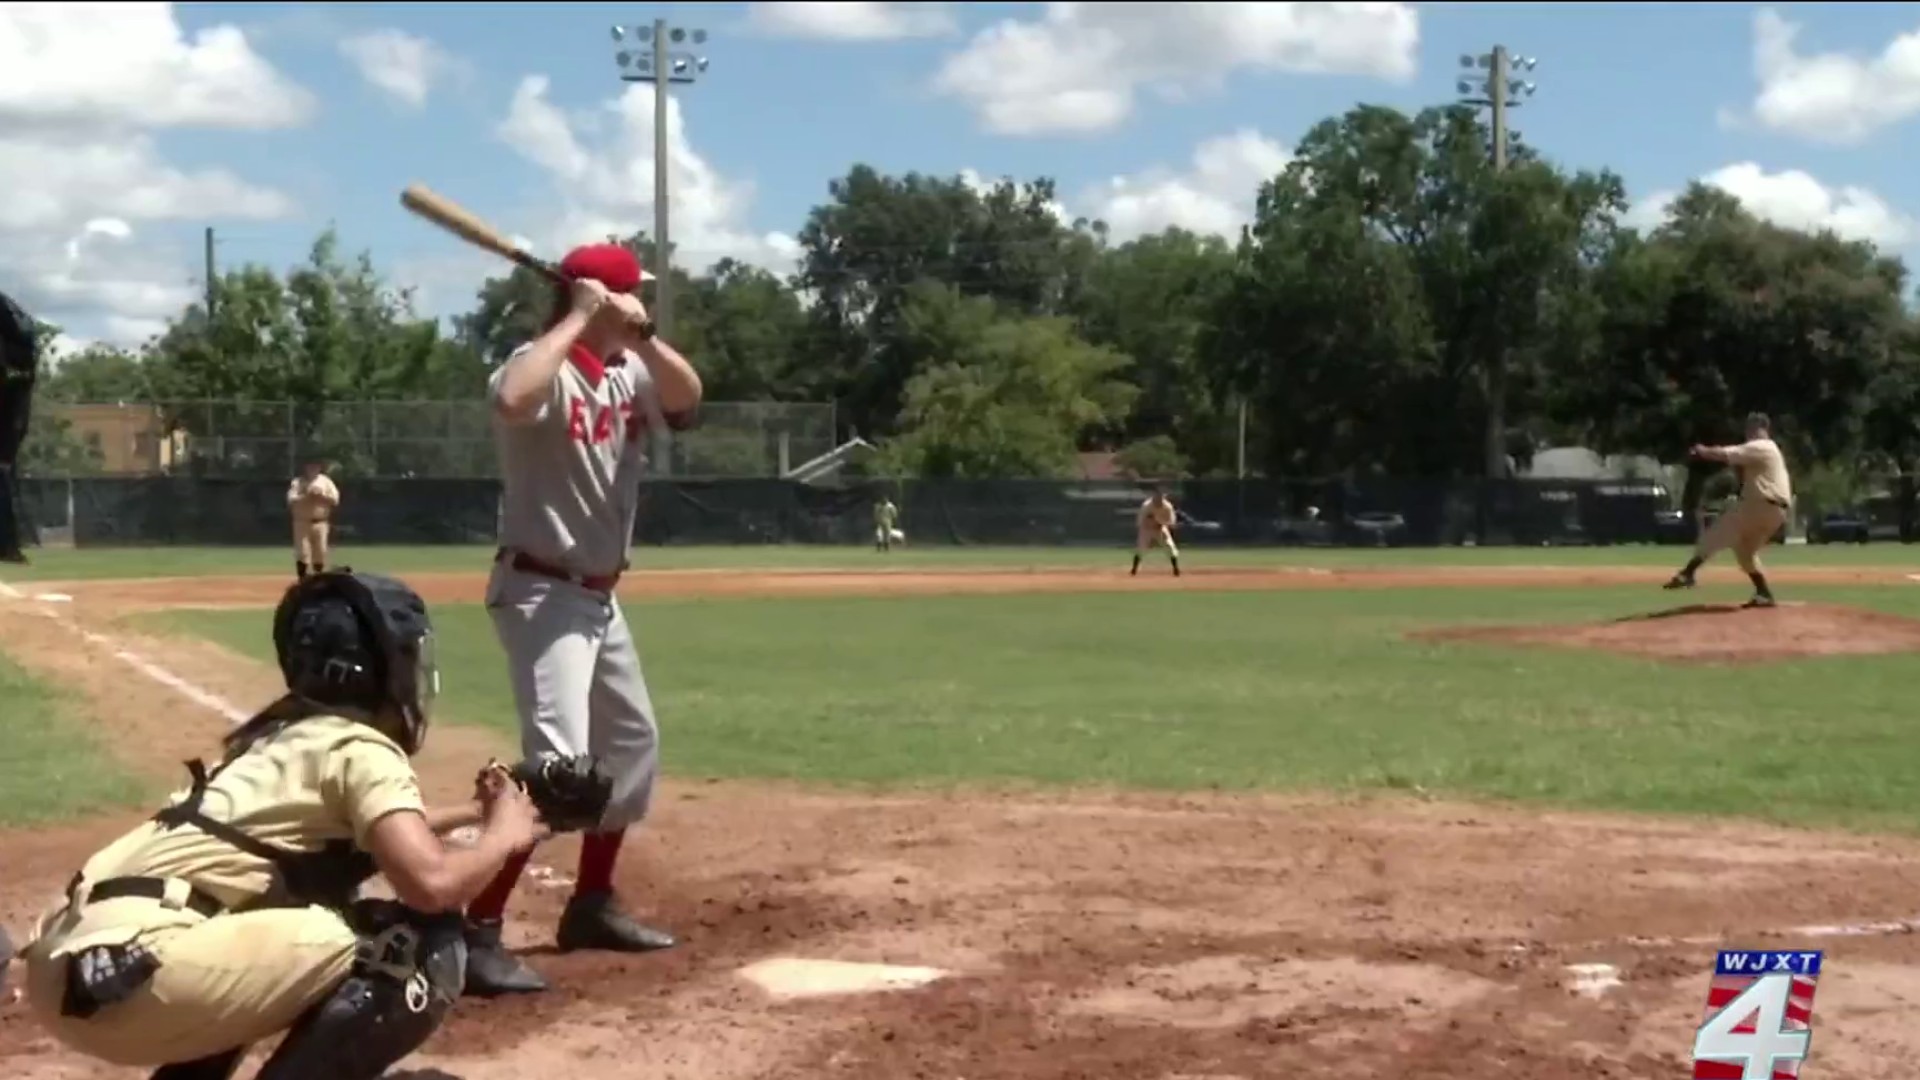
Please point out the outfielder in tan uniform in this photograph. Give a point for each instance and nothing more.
(1153, 527)
(1766, 500)
(312, 500)
(232, 915)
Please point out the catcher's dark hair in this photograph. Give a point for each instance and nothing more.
(1759, 419)
(283, 711)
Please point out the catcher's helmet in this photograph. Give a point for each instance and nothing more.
(361, 642)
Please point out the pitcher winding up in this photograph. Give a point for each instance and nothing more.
(572, 413)
(1766, 499)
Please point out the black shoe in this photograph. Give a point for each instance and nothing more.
(1761, 602)
(594, 920)
(491, 969)
(1679, 581)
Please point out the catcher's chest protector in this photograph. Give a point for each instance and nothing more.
(329, 877)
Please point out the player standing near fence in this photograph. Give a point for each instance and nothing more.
(1153, 527)
(886, 519)
(312, 499)
(572, 412)
(1766, 498)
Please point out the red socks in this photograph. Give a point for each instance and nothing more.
(492, 901)
(598, 853)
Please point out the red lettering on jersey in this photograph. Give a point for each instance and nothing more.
(626, 418)
(577, 420)
(602, 425)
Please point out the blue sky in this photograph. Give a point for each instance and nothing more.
(269, 122)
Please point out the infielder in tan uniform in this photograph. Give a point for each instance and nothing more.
(232, 915)
(312, 500)
(1153, 527)
(1766, 500)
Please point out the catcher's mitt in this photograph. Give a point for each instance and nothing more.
(571, 793)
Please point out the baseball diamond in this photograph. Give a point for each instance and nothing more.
(954, 542)
(1365, 869)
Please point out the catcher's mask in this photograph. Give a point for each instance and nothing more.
(361, 642)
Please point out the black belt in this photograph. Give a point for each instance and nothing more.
(152, 888)
(1782, 504)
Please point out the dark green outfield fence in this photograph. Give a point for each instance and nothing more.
(109, 511)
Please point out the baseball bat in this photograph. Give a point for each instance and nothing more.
(461, 222)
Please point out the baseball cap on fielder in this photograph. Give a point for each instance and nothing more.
(609, 264)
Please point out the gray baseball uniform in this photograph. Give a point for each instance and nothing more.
(571, 485)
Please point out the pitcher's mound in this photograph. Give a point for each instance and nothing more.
(1720, 633)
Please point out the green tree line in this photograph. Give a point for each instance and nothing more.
(1396, 306)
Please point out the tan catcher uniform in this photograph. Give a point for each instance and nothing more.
(232, 979)
(1766, 499)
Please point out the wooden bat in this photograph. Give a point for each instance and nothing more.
(457, 220)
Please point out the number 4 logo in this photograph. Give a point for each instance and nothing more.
(1765, 1041)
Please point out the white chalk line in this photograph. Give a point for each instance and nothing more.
(544, 876)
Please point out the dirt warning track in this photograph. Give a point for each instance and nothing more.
(1156, 937)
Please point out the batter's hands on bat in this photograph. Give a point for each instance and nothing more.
(629, 307)
(588, 296)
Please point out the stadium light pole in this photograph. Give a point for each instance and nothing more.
(1488, 81)
(656, 54)
(1498, 90)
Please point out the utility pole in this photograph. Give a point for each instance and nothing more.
(213, 286)
(1498, 92)
(658, 60)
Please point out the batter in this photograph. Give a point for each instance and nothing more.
(572, 412)
(231, 916)
(312, 500)
(1153, 527)
(1766, 500)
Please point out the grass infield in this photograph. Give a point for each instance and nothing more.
(51, 767)
(1317, 690)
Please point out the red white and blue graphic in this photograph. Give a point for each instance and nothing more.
(1759, 1021)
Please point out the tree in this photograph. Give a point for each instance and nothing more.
(1716, 314)
(1000, 395)
(1150, 299)
(744, 326)
(99, 373)
(284, 366)
(1399, 304)
(880, 236)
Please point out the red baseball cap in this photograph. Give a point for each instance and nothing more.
(609, 264)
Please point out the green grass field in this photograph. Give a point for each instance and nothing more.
(89, 563)
(50, 766)
(1274, 690)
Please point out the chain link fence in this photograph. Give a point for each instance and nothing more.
(418, 439)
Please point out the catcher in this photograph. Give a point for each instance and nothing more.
(233, 914)
(1766, 499)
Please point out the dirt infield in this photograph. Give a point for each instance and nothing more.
(1719, 634)
(1111, 936)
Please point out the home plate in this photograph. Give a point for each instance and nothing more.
(789, 977)
(1594, 980)
(54, 598)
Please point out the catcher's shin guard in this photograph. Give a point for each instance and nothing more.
(410, 970)
(219, 1066)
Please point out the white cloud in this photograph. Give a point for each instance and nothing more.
(116, 65)
(604, 186)
(400, 65)
(1213, 195)
(1830, 97)
(88, 195)
(827, 20)
(1796, 200)
(1079, 67)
